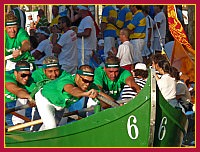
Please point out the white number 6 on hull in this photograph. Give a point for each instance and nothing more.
(162, 129)
(131, 125)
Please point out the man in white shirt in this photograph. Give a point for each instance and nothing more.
(66, 47)
(125, 51)
(44, 48)
(29, 23)
(148, 47)
(160, 20)
(86, 42)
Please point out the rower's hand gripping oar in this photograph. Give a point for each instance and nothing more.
(31, 103)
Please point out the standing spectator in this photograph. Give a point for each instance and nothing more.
(108, 29)
(56, 16)
(86, 36)
(74, 15)
(17, 44)
(66, 47)
(159, 28)
(44, 48)
(180, 14)
(124, 18)
(148, 47)
(137, 28)
(42, 19)
(125, 51)
(29, 23)
(21, 16)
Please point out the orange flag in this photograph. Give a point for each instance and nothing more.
(183, 61)
(183, 54)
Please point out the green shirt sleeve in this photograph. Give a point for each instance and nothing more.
(124, 75)
(98, 76)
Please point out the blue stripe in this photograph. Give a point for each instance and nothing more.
(109, 33)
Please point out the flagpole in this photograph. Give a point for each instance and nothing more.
(161, 44)
(82, 51)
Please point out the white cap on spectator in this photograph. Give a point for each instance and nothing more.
(101, 42)
(141, 66)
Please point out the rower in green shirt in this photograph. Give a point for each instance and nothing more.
(62, 92)
(49, 71)
(18, 86)
(17, 44)
(112, 78)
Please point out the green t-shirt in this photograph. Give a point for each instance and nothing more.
(54, 91)
(12, 44)
(39, 75)
(112, 88)
(42, 22)
(10, 77)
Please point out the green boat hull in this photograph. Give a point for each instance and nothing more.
(131, 125)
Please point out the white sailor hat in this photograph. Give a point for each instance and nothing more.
(141, 66)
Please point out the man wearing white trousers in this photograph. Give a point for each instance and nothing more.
(63, 92)
(86, 41)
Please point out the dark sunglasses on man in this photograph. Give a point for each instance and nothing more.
(23, 75)
(85, 80)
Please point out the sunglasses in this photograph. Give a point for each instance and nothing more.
(23, 75)
(85, 80)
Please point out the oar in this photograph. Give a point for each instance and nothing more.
(24, 125)
(78, 112)
(20, 116)
(124, 101)
(107, 101)
(35, 122)
(17, 108)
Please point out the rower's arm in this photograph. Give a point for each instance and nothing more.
(26, 45)
(131, 83)
(24, 48)
(77, 92)
(19, 92)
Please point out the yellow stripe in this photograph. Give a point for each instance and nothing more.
(120, 23)
(113, 13)
(104, 19)
(129, 16)
(131, 26)
(138, 35)
(111, 27)
(142, 22)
